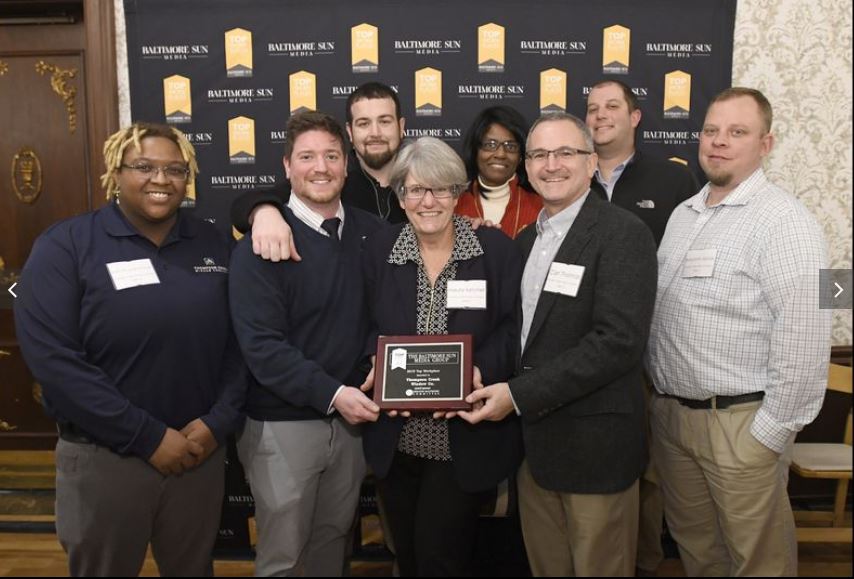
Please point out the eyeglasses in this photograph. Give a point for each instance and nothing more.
(150, 171)
(418, 192)
(492, 146)
(561, 154)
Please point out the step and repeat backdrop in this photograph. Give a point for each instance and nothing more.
(230, 73)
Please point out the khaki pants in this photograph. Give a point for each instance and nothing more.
(725, 496)
(651, 522)
(576, 535)
(651, 515)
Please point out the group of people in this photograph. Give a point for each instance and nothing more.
(638, 339)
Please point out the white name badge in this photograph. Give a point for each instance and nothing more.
(127, 274)
(466, 294)
(564, 278)
(699, 263)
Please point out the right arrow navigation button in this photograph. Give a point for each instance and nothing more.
(835, 289)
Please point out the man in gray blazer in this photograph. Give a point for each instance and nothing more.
(587, 295)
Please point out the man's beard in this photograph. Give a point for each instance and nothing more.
(718, 178)
(376, 160)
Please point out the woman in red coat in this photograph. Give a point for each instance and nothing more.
(494, 154)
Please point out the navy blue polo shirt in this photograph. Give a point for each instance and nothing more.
(123, 364)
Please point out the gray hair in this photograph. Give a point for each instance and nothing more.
(432, 161)
(553, 117)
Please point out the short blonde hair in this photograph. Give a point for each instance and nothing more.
(116, 145)
(757, 96)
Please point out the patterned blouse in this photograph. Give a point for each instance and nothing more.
(422, 436)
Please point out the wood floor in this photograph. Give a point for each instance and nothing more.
(39, 555)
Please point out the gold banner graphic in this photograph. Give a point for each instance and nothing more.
(190, 197)
(177, 102)
(677, 95)
(616, 46)
(490, 48)
(303, 89)
(241, 141)
(238, 53)
(365, 50)
(552, 91)
(428, 92)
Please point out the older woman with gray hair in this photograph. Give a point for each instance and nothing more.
(434, 471)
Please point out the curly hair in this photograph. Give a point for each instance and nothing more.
(117, 143)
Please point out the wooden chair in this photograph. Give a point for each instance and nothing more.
(827, 461)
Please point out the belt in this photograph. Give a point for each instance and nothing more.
(71, 433)
(719, 402)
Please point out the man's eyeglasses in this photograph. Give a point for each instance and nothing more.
(492, 146)
(561, 154)
(418, 192)
(173, 173)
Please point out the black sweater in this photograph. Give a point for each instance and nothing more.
(302, 325)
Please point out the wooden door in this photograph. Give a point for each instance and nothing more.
(51, 65)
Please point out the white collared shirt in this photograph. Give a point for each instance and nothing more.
(754, 324)
(312, 218)
(550, 235)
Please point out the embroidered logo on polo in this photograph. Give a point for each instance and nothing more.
(209, 266)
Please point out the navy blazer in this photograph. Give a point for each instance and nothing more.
(487, 453)
(580, 392)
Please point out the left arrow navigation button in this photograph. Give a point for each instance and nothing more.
(11, 287)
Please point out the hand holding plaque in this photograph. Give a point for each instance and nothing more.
(423, 372)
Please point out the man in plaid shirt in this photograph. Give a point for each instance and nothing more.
(738, 351)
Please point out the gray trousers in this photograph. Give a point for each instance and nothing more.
(305, 476)
(110, 507)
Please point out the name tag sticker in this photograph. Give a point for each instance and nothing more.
(699, 263)
(564, 278)
(128, 274)
(466, 294)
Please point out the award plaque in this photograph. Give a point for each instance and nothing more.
(423, 372)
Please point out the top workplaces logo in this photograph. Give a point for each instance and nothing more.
(677, 95)
(490, 48)
(428, 92)
(177, 104)
(241, 141)
(616, 45)
(238, 53)
(365, 49)
(303, 89)
(190, 197)
(552, 91)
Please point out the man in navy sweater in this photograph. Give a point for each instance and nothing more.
(302, 326)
